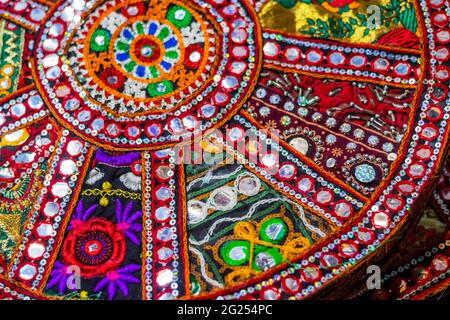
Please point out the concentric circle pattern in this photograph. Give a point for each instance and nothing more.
(115, 71)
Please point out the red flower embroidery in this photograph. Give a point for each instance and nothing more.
(133, 10)
(193, 56)
(96, 246)
(112, 78)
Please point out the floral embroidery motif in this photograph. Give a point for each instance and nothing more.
(95, 246)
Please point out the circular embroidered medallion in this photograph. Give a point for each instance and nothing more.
(96, 246)
(128, 74)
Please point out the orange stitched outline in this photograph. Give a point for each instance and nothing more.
(218, 43)
(12, 18)
(22, 126)
(167, 76)
(144, 232)
(432, 291)
(233, 110)
(278, 213)
(17, 93)
(206, 83)
(14, 284)
(45, 2)
(182, 211)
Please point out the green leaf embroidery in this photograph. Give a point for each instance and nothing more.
(408, 19)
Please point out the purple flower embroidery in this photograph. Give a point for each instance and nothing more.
(118, 279)
(59, 276)
(126, 221)
(81, 215)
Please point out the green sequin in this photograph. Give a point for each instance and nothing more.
(172, 54)
(100, 40)
(235, 252)
(195, 287)
(154, 72)
(273, 230)
(179, 16)
(130, 66)
(163, 33)
(160, 88)
(140, 28)
(122, 46)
